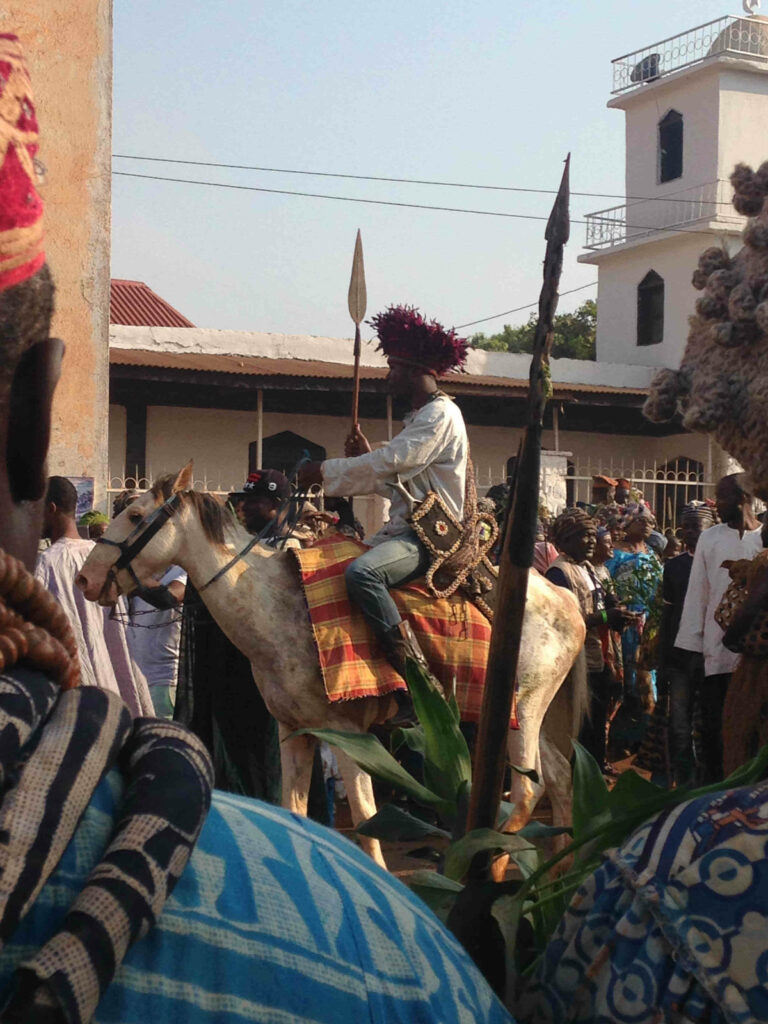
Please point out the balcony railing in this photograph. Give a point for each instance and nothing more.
(729, 34)
(639, 218)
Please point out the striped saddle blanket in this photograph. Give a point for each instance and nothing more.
(453, 633)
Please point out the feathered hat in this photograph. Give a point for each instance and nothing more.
(406, 337)
(21, 208)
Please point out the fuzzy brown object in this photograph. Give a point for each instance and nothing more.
(721, 387)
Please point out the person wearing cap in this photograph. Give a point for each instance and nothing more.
(430, 454)
(261, 496)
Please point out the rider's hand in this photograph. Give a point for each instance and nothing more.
(356, 443)
(311, 473)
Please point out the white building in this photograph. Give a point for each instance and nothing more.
(694, 107)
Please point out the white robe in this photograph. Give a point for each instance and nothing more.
(429, 454)
(105, 659)
(698, 629)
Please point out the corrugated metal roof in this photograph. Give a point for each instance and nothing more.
(135, 304)
(260, 366)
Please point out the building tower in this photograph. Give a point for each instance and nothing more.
(696, 104)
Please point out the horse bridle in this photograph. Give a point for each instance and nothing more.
(158, 597)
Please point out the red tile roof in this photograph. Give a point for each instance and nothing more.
(135, 304)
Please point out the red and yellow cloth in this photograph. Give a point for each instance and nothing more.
(21, 208)
(453, 633)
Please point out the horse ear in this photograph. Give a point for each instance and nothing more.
(184, 480)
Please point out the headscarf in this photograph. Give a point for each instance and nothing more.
(570, 523)
(702, 511)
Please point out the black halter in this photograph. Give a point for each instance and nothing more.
(159, 597)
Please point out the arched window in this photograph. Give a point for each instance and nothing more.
(650, 309)
(671, 146)
(282, 451)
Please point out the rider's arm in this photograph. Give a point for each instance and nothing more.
(414, 448)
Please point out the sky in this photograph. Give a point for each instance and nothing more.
(490, 92)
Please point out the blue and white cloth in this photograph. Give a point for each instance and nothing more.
(274, 919)
(672, 927)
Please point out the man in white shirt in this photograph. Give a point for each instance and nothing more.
(105, 658)
(430, 454)
(738, 536)
(154, 636)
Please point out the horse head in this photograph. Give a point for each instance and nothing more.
(141, 542)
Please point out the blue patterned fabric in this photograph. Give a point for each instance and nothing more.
(275, 919)
(672, 927)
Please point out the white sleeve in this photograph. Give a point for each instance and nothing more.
(690, 635)
(414, 448)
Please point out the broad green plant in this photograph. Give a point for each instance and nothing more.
(603, 818)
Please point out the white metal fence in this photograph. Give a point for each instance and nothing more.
(666, 486)
(729, 34)
(618, 224)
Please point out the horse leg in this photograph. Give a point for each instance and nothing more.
(522, 750)
(296, 756)
(361, 801)
(556, 772)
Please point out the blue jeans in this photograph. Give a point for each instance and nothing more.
(371, 576)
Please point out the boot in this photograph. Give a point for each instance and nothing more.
(400, 643)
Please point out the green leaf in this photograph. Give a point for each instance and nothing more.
(397, 825)
(412, 737)
(506, 810)
(453, 704)
(447, 763)
(529, 773)
(366, 751)
(507, 911)
(438, 892)
(590, 792)
(460, 854)
(538, 830)
(632, 789)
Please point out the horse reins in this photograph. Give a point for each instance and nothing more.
(161, 597)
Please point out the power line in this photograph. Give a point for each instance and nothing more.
(413, 181)
(518, 309)
(389, 202)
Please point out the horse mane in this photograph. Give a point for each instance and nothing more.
(213, 517)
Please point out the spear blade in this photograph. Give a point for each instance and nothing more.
(357, 297)
(356, 301)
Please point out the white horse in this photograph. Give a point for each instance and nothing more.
(259, 604)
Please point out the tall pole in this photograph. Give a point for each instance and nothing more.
(517, 546)
(357, 300)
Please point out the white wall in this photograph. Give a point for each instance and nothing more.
(218, 441)
(695, 96)
(675, 259)
(116, 442)
(743, 118)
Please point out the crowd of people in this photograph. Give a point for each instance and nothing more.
(658, 659)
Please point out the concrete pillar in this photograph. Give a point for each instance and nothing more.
(68, 47)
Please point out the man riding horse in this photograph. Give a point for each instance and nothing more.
(429, 455)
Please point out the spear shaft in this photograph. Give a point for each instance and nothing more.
(517, 546)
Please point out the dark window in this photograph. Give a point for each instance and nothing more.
(650, 309)
(683, 478)
(282, 451)
(671, 146)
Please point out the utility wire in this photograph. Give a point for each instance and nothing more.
(518, 309)
(414, 181)
(388, 202)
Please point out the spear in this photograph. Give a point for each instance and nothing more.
(517, 545)
(356, 300)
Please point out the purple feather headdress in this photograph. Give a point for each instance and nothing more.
(404, 334)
